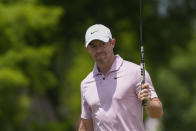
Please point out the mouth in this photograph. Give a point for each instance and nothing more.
(100, 54)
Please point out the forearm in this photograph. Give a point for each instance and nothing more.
(82, 127)
(86, 125)
(154, 108)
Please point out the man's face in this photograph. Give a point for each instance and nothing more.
(101, 51)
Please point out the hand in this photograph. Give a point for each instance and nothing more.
(145, 93)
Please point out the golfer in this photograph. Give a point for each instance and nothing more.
(111, 95)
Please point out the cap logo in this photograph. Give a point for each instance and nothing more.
(93, 32)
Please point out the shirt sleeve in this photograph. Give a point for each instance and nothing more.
(86, 110)
(147, 80)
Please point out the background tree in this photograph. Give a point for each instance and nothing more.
(43, 60)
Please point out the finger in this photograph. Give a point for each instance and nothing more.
(145, 96)
(148, 95)
(145, 91)
(145, 86)
(139, 95)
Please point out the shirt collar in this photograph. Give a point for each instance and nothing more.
(115, 66)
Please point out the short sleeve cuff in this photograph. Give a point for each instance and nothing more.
(85, 116)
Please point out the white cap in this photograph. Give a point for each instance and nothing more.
(97, 32)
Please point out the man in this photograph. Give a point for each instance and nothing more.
(111, 94)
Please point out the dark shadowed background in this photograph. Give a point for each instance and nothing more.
(43, 59)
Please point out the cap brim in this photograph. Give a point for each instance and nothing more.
(101, 38)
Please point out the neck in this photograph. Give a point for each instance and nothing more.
(105, 67)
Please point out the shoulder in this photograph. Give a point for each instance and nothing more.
(130, 67)
(88, 79)
(130, 64)
(135, 70)
(86, 82)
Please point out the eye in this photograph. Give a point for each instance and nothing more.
(92, 46)
(103, 44)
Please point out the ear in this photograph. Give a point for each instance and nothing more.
(86, 49)
(113, 42)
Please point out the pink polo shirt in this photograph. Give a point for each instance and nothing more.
(111, 100)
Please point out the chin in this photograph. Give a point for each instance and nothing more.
(101, 58)
(101, 61)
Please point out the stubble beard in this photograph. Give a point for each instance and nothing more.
(101, 59)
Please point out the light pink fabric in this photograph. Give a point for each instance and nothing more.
(111, 100)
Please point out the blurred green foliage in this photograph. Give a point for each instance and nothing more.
(43, 59)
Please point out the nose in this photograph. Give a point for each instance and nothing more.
(99, 49)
